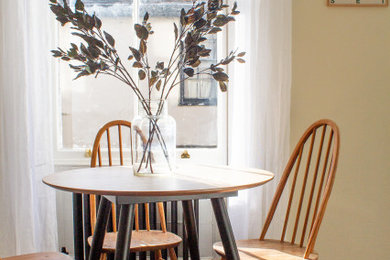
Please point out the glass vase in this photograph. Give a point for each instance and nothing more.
(154, 139)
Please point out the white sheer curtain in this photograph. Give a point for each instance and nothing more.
(28, 212)
(259, 105)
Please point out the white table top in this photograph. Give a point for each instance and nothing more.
(186, 180)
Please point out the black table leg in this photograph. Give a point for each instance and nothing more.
(190, 226)
(225, 229)
(100, 228)
(126, 220)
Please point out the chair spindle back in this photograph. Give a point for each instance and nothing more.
(97, 157)
(312, 166)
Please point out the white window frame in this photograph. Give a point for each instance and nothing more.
(78, 156)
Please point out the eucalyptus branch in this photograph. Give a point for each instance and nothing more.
(170, 63)
(97, 54)
(123, 69)
(176, 68)
(169, 90)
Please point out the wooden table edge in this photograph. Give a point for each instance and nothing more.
(159, 193)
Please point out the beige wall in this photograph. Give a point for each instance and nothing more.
(341, 63)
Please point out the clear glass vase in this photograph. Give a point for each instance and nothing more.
(154, 139)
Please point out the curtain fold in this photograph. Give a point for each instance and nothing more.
(28, 209)
(259, 106)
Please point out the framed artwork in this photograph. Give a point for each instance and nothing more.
(358, 3)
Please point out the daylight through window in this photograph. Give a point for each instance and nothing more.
(88, 103)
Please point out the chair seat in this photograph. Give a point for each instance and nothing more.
(40, 256)
(142, 240)
(267, 250)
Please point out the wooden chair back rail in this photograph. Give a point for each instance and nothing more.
(97, 154)
(144, 210)
(313, 185)
(82, 208)
(86, 206)
(109, 147)
(327, 155)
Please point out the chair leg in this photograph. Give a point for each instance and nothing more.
(157, 255)
(172, 253)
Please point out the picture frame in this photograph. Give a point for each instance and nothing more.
(359, 3)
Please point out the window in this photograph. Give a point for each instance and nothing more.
(201, 90)
(87, 103)
(109, 8)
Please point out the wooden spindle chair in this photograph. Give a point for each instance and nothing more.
(39, 256)
(312, 166)
(141, 240)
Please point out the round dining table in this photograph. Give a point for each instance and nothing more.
(118, 184)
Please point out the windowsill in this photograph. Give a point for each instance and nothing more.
(73, 162)
(76, 158)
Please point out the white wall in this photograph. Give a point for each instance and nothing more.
(341, 62)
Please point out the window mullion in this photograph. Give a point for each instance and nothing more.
(136, 10)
